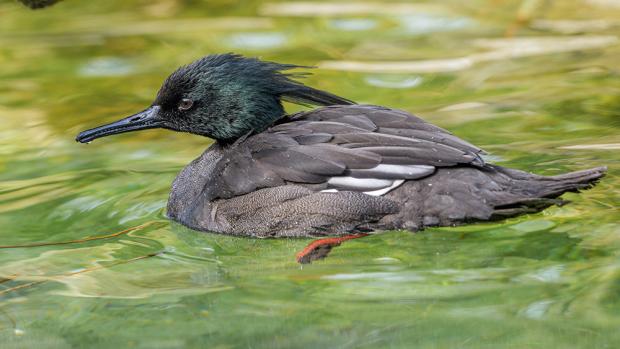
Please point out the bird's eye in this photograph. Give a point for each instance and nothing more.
(185, 104)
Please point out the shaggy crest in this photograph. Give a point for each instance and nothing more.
(237, 95)
(268, 77)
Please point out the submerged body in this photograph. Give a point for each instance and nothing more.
(334, 170)
(281, 183)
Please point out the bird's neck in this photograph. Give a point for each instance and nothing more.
(248, 121)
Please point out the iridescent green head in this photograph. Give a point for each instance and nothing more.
(223, 97)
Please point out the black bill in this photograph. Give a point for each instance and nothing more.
(148, 118)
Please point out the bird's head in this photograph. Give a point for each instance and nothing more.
(223, 97)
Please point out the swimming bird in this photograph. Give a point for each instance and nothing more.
(342, 169)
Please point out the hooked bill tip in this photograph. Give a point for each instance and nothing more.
(81, 138)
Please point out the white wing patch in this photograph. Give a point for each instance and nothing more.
(386, 171)
(358, 184)
(380, 192)
(378, 180)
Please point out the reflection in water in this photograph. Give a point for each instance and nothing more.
(256, 40)
(353, 24)
(323, 9)
(106, 66)
(544, 103)
(498, 50)
(428, 23)
(393, 81)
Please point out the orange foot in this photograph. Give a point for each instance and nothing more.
(319, 249)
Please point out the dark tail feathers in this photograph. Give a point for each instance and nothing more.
(540, 192)
(463, 194)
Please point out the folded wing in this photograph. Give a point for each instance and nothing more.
(354, 148)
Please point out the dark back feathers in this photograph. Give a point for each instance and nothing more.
(312, 147)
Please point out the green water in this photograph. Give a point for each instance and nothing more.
(547, 280)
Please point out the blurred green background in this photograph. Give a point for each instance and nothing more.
(535, 83)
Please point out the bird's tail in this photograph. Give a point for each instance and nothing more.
(458, 195)
(538, 192)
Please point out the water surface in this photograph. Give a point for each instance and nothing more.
(547, 101)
